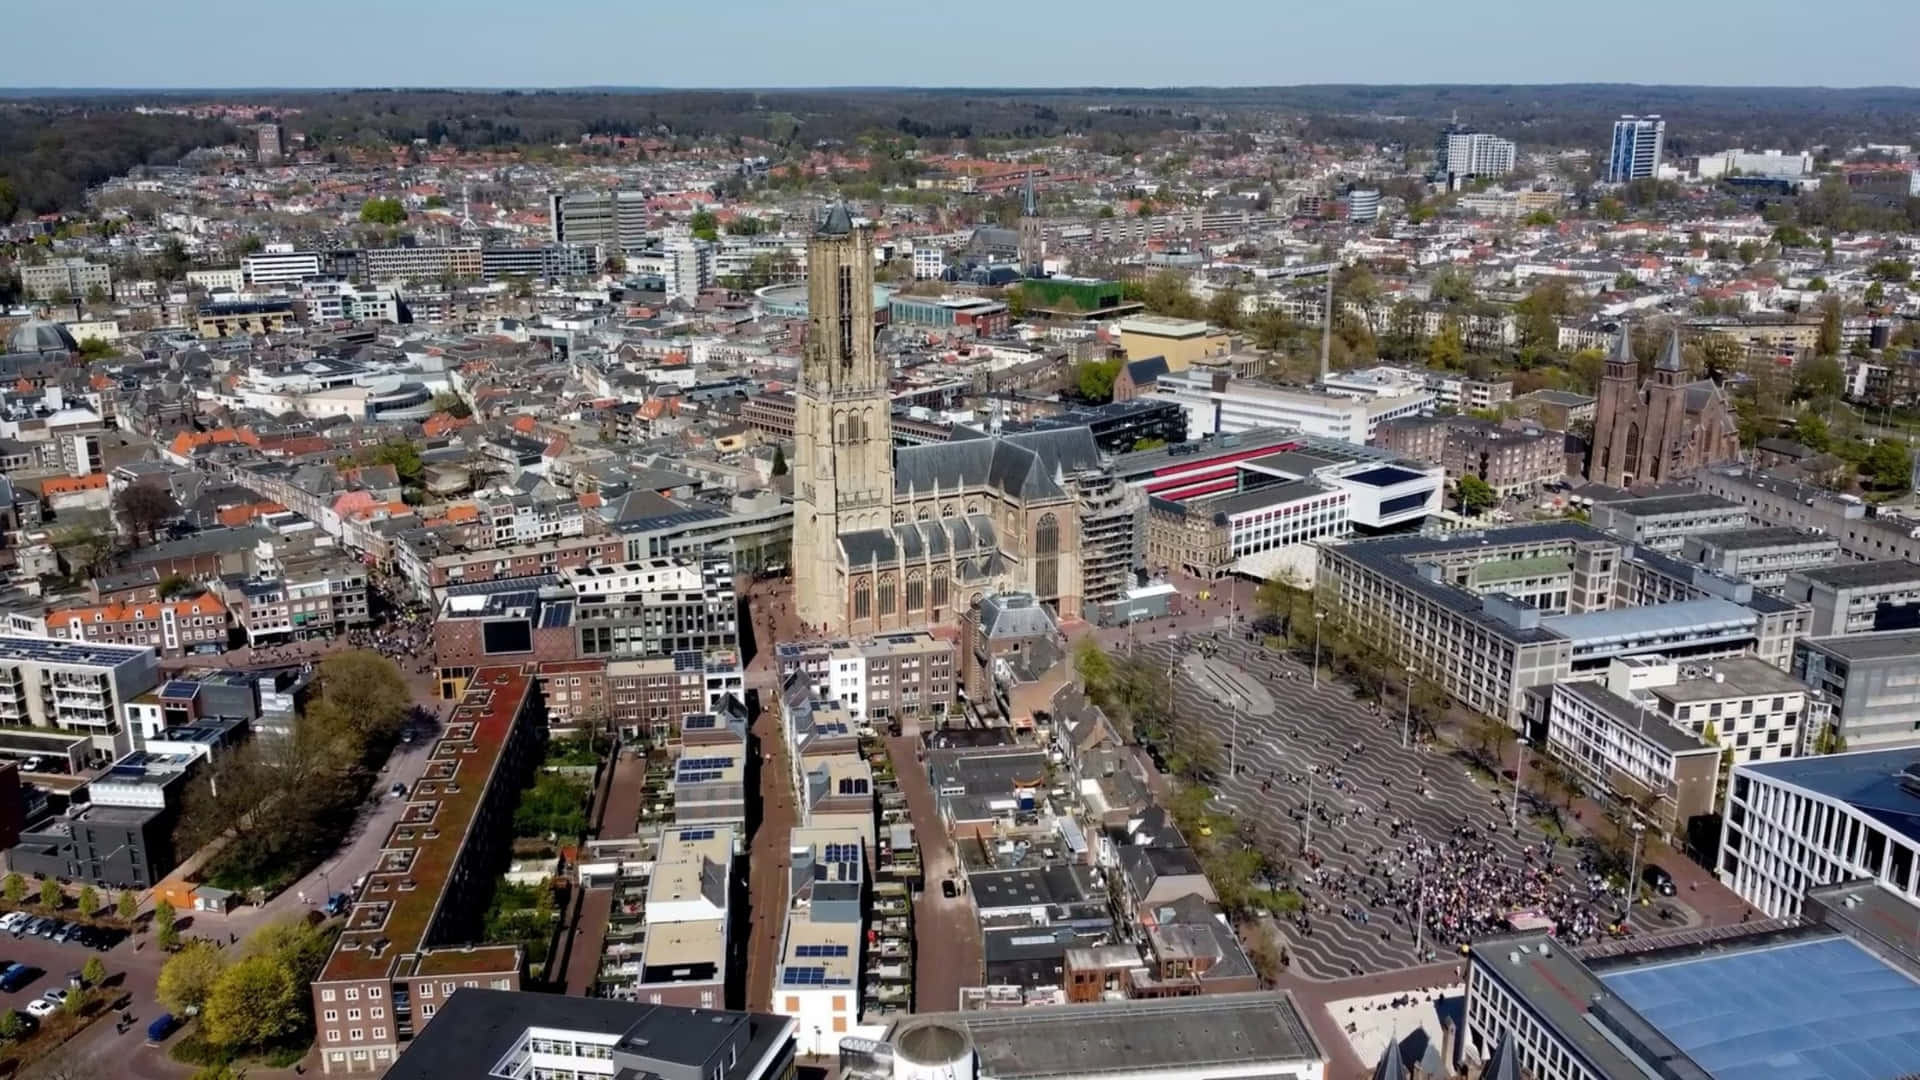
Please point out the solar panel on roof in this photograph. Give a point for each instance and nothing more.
(179, 688)
(689, 835)
(705, 763)
(699, 777)
(702, 722)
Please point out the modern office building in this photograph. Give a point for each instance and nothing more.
(425, 265)
(280, 264)
(1858, 598)
(1764, 555)
(118, 832)
(1772, 501)
(1664, 522)
(614, 221)
(547, 262)
(1791, 826)
(1488, 613)
(653, 607)
(407, 946)
(1868, 684)
(1218, 403)
(1835, 996)
(1204, 1037)
(1612, 738)
(689, 267)
(1637, 145)
(1462, 152)
(512, 1035)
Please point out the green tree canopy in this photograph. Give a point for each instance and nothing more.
(251, 1004)
(1474, 494)
(1094, 379)
(387, 212)
(1889, 465)
(704, 225)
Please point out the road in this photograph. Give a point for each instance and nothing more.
(770, 610)
(948, 952)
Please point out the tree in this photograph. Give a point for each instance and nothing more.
(11, 1025)
(452, 404)
(251, 1004)
(1224, 309)
(146, 507)
(89, 900)
(1820, 378)
(1829, 341)
(1889, 465)
(188, 978)
(1587, 367)
(1447, 351)
(1875, 293)
(1811, 431)
(704, 225)
(52, 895)
(1452, 285)
(366, 691)
(1611, 209)
(163, 916)
(1818, 284)
(403, 456)
(779, 461)
(1474, 494)
(1829, 740)
(386, 212)
(1539, 313)
(1094, 669)
(1094, 379)
(128, 906)
(93, 972)
(15, 889)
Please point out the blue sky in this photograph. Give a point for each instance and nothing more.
(206, 43)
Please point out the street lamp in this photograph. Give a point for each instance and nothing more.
(1633, 863)
(1406, 721)
(1519, 776)
(1318, 617)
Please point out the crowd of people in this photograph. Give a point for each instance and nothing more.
(405, 638)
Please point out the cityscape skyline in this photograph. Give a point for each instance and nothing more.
(496, 45)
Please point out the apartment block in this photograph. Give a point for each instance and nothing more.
(195, 624)
(818, 978)
(654, 607)
(1858, 598)
(317, 594)
(1868, 684)
(64, 279)
(73, 688)
(1772, 501)
(1511, 461)
(407, 947)
(1664, 522)
(906, 677)
(688, 910)
(1764, 556)
(461, 262)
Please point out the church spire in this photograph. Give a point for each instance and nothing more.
(1670, 357)
(1621, 364)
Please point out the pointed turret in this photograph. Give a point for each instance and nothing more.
(1670, 357)
(1620, 363)
(1392, 1065)
(1505, 1062)
(837, 221)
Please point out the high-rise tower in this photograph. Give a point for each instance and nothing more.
(842, 425)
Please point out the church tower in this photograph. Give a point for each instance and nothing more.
(1616, 427)
(842, 423)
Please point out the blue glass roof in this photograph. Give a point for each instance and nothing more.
(1811, 1010)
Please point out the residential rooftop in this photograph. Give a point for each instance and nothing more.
(1877, 645)
(1739, 676)
(1862, 575)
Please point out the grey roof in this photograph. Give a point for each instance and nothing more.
(1765, 536)
(41, 336)
(1025, 466)
(1623, 346)
(1566, 398)
(1149, 370)
(1737, 675)
(1619, 624)
(1670, 357)
(1010, 615)
(1204, 1033)
(1868, 780)
(1391, 1066)
(1648, 723)
(1863, 574)
(1658, 505)
(913, 540)
(837, 221)
(1880, 645)
(1505, 1062)
(483, 1025)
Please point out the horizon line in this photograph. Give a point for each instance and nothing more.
(77, 89)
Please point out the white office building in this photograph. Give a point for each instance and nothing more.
(1218, 404)
(1476, 153)
(279, 264)
(1637, 144)
(928, 262)
(1792, 825)
(689, 267)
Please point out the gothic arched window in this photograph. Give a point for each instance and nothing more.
(1046, 550)
(862, 599)
(886, 595)
(916, 592)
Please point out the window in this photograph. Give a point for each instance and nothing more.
(326, 995)
(353, 993)
(379, 1033)
(357, 1034)
(373, 992)
(330, 1015)
(426, 989)
(426, 1010)
(334, 1036)
(353, 1014)
(446, 989)
(376, 1014)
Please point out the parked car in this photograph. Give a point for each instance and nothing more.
(58, 995)
(1658, 879)
(41, 1007)
(948, 889)
(162, 1026)
(28, 1025)
(399, 791)
(49, 927)
(67, 932)
(12, 919)
(16, 976)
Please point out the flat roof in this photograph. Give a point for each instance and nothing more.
(1655, 728)
(389, 920)
(1876, 645)
(1657, 505)
(1766, 536)
(1825, 1009)
(1867, 780)
(1740, 676)
(1857, 575)
(41, 650)
(1514, 569)
(1626, 624)
(1210, 1031)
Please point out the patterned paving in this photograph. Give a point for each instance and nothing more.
(1382, 819)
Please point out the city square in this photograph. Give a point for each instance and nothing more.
(1400, 855)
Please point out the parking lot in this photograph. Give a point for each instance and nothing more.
(48, 964)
